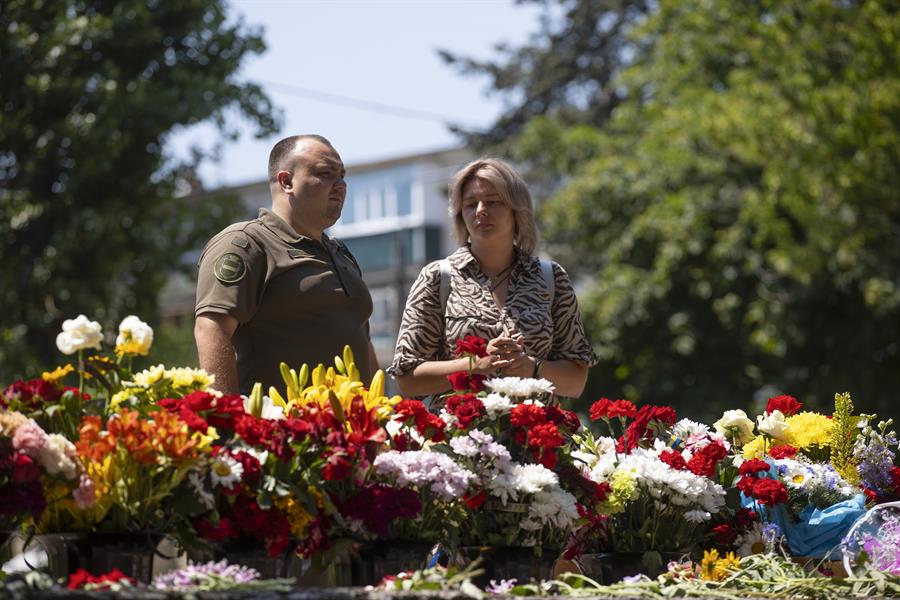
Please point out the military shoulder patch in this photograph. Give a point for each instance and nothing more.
(230, 268)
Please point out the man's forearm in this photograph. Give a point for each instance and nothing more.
(217, 357)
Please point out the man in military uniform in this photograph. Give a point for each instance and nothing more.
(277, 288)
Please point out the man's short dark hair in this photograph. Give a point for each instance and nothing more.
(284, 148)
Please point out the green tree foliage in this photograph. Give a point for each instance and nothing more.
(735, 221)
(739, 214)
(90, 220)
(567, 70)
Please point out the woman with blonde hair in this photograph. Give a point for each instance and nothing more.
(495, 288)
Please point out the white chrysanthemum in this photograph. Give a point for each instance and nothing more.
(686, 428)
(78, 334)
(205, 497)
(531, 479)
(751, 541)
(496, 405)
(449, 419)
(555, 507)
(679, 488)
(226, 471)
(697, 516)
(135, 336)
(520, 388)
(464, 446)
(59, 456)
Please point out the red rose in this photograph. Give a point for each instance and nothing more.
(788, 405)
(769, 492)
(471, 345)
(461, 381)
(786, 451)
(468, 411)
(673, 459)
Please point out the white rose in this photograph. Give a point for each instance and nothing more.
(772, 424)
(735, 425)
(78, 334)
(135, 332)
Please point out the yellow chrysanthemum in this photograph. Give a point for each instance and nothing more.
(185, 377)
(150, 376)
(57, 373)
(725, 566)
(131, 346)
(808, 430)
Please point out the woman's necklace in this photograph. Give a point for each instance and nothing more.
(498, 279)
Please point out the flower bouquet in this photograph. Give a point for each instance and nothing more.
(810, 474)
(661, 494)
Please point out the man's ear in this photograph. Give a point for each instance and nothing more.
(285, 180)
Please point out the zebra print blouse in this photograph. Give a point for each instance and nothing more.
(550, 333)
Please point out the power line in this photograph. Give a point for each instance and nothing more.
(379, 107)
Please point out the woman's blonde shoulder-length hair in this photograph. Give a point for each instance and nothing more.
(512, 190)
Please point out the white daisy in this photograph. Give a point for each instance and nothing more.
(225, 471)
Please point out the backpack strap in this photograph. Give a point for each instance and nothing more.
(445, 284)
(549, 279)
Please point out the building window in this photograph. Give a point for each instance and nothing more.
(376, 204)
(404, 199)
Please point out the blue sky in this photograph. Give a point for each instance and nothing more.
(372, 51)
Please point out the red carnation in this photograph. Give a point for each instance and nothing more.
(471, 345)
(788, 405)
(704, 461)
(409, 408)
(753, 466)
(607, 409)
(724, 534)
(545, 435)
(895, 479)
(745, 517)
(215, 531)
(475, 501)
(769, 492)
(337, 466)
(527, 415)
(786, 451)
(24, 469)
(431, 427)
(673, 459)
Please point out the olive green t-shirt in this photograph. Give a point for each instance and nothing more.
(295, 299)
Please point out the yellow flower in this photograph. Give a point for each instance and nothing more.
(186, 377)
(131, 346)
(204, 441)
(150, 376)
(57, 373)
(296, 514)
(622, 489)
(708, 565)
(726, 565)
(118, 398)
(807, 430)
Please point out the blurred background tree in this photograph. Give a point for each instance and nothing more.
(91, 215)
(735, 218)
